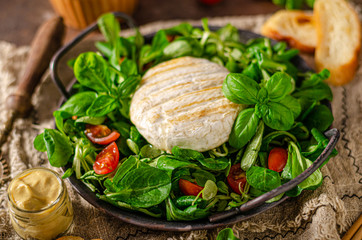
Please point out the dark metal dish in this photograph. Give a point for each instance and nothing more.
(245, 211)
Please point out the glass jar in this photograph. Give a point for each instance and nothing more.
(44, 223)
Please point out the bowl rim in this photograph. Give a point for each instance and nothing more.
(245, 211)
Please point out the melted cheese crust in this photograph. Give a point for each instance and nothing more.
(180, 103)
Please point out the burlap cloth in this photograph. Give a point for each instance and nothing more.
(322, 214)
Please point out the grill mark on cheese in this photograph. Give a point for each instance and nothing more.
(202, 113)
(169, 82)
(150, 76)
(185, 86)
(183, 107)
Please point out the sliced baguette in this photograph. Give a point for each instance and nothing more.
(295, 27)
(339, 39)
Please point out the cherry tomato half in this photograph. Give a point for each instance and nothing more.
(188, 188)
(107, 160)
(236, 178)
(101, 134)
(277, 159)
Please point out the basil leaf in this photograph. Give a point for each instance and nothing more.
(292, 104)
(91, 70)
(244, 128)
(278, 86)
(263, 179)
(240, 89)
(101, 106)
(59, 148)
(277, 116)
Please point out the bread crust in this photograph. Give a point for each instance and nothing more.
(292, 27)
(341, 72)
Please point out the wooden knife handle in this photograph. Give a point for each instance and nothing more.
(46, 42)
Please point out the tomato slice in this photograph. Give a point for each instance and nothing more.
(188, 188)
(236, 178)
(101, 134)
(107, 160)
(277, 159)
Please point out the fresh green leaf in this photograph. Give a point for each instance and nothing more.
(202, 176)
(277, 116)
(78, 104)
(149, 151)
(128, 86)
(178, 48)
(59, 148)
(101, 106)
(240, 89)
(143, 187)
(252, 149)
(186, 154)
(91, 70)
(226, 234)
(320, 117)
(292, 104)
(215, 164)
(39, 143)
(263, 179)
(244, 128)
(210, 190)
(91, 120)
(278, 86)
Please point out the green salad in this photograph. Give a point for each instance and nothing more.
(273, 140)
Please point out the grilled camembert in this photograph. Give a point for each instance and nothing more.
(180, 103)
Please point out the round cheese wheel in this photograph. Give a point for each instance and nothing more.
(180, 103)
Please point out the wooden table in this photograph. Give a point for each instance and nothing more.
(20, 18)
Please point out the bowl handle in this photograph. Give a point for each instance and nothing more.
(332, 134)
(65, 49)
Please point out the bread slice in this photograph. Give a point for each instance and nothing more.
(295, 27)
(339, 39)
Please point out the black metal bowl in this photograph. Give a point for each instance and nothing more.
(245, 211)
